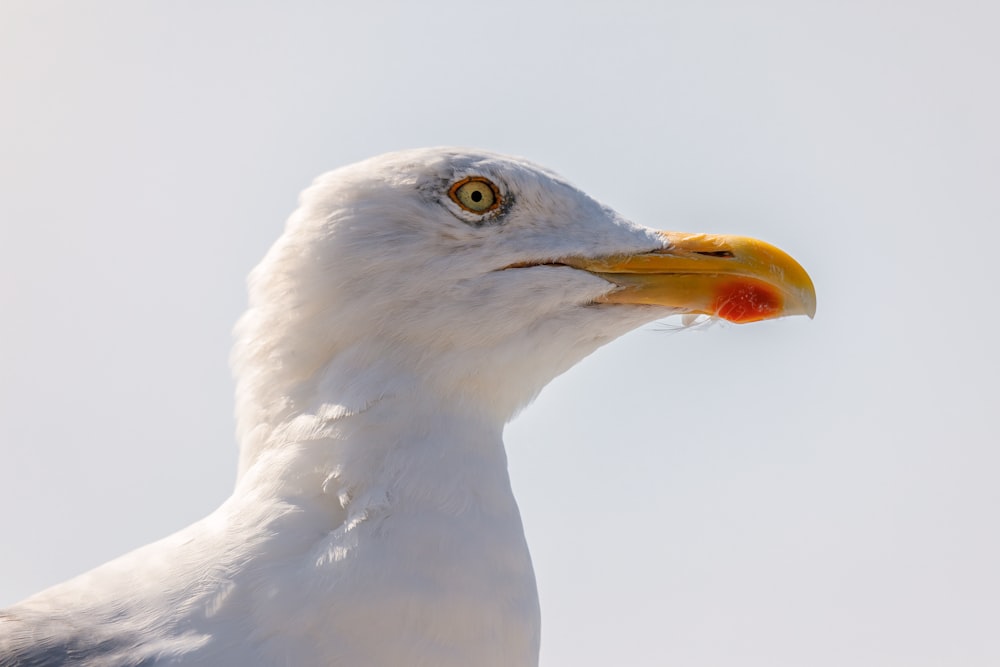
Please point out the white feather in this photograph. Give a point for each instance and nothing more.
(382, 353)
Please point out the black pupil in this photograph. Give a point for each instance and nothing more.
(476, 196)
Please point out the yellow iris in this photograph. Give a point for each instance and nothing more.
(475, 194)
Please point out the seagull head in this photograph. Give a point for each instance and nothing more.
(477, 277)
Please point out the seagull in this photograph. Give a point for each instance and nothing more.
(415, 302)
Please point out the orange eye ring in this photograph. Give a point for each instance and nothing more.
(476, 194)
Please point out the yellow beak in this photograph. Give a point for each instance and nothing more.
(736, 278)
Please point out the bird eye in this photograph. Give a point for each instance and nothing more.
(475, 194)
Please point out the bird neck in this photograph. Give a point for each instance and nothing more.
(362, 430)
(289, 398)
(401, 500)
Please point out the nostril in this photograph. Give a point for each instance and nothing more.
(715, 253)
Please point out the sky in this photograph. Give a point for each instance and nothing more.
(778, 494)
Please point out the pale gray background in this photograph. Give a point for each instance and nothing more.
(789, 493)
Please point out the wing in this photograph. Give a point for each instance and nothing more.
(27, 640)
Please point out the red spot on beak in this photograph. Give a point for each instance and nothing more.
(746, 301)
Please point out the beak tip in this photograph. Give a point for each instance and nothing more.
(807, 307)
(810, 306)
(810, 301)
